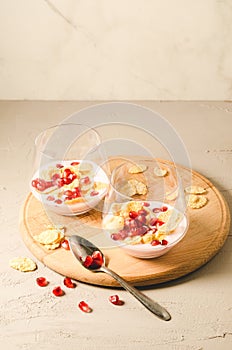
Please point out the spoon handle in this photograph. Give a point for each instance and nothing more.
(151, 305)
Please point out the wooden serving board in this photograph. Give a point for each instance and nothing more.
(207, 232)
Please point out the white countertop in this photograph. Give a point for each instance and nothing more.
(200, 303)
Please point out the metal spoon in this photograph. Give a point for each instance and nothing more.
(81, 248)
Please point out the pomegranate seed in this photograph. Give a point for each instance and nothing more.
(60, 182)
(123, 234)
(156, 210)
(133, 214)
(94, 193)
(142, 230)
(68, 193)
(159, 222)
(58, 201)
(164, 242)
(133, 224)
(55, 177)
(72, 176)
(127, 222)
(76, 194)
(141, 218)
(74, 163)
(85, 180)
(65, 244)
(83, 306)
(41, 185)
(155, 242)
(67, 181)
(68, 283)
(67, 172)
(50, 198)
(164, 208)
(97, 258)
(34, 183)
(59, 166)
(88, 261)
(146, 204)
(58, 292)
(116, 236)
(153, 222)
(114, 299)
(133, 232)
(142, 212)
(41, 281)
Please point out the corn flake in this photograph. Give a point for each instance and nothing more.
(195, 190)
(160, 172)
(196, 202)
(137, 168)
(23, 264)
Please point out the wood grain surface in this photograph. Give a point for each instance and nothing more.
(208, 229)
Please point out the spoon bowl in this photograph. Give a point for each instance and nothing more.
(91, 258)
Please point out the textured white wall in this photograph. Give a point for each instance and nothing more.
(116, 49)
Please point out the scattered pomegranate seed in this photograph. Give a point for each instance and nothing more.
(51, 198)
(133, 214)
(65, 244)
(41, 281)
(146, 204)
(83, 306)
(164, 242)
(58, 292)
(68, 283)
(114, 299)
(94, 193)
(58, 201)
(59, 166)
(75, 163)
(155, 242)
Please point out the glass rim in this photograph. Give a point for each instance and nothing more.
(88, 128)
(135, 199)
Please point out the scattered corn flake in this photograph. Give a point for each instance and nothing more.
(23, 264)
(195, 190)
(196, 202)
(47, 236)
(52, 246)
(160, 172)
(137, 168)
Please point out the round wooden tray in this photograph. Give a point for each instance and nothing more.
(207, 232)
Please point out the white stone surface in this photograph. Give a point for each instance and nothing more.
(200, 304)
(124, 49)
